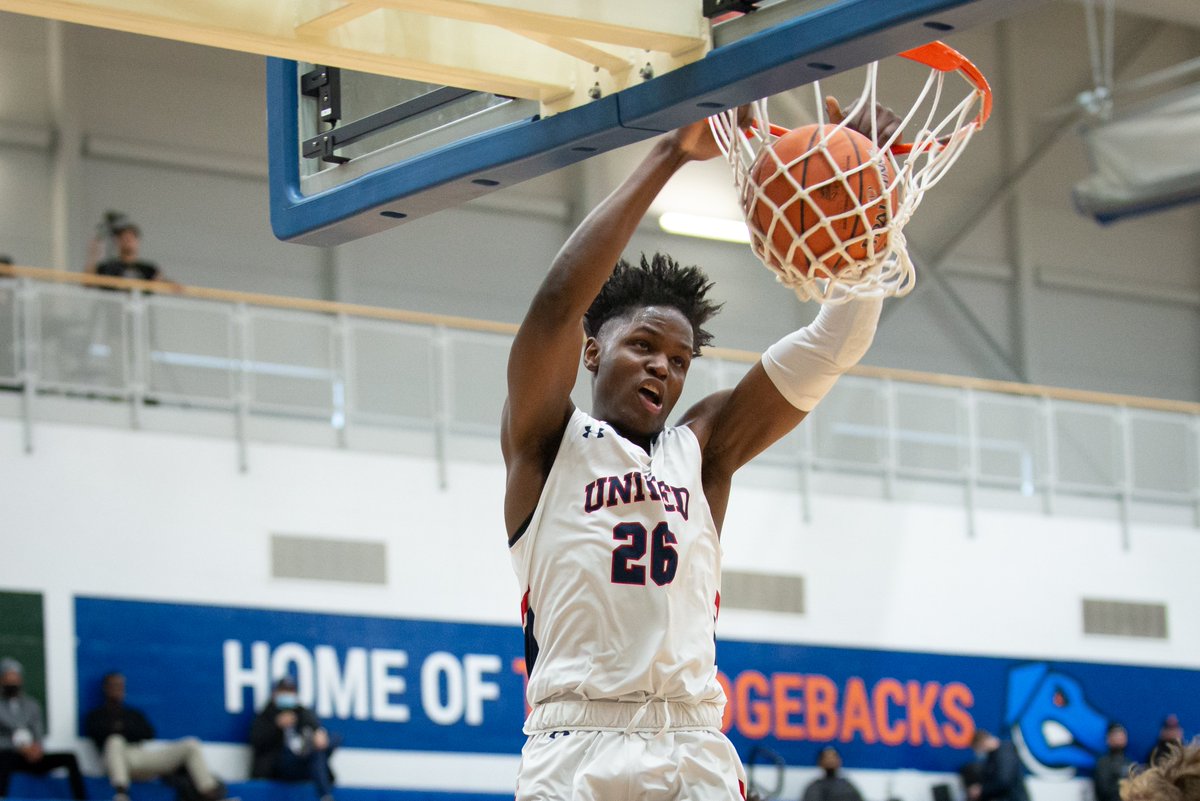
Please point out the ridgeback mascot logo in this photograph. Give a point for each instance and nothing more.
(1054, 728)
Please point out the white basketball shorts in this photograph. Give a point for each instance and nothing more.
(582, 765)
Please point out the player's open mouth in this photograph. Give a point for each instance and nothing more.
(651, 397)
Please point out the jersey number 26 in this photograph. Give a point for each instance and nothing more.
(664, 560)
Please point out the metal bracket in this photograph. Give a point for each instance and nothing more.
(325, 84)
(323, 145)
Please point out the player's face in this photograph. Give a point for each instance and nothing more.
(640, 361)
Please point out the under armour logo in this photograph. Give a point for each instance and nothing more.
(587, 432)
(554, 734)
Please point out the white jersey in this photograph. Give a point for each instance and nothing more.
(620, 567)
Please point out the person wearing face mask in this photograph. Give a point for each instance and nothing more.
(22, 728)
(831, 786)
(289, 742)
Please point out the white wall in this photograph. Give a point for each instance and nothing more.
(167, 517)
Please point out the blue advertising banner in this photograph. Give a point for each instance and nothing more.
(439, 686)
(378, 682)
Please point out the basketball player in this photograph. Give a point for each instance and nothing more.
(614, 517)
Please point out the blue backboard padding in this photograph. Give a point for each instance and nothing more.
(844, 34)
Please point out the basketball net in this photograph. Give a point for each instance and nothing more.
(937, 130)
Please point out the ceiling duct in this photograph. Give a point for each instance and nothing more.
(1143, 160)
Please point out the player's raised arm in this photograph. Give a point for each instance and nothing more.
(544, 360)
(795, 373)
(778, 392)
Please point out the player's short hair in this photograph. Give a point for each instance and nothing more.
(979, 736)
(657, 281)
(1175, 777)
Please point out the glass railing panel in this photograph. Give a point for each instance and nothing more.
(290, 360)
(334, 367)
(1163, 454)
(1010, 441)
(1088, 447)
(930, 431)
(10, 360)
(391, 372)
(191, 353)
(82, 337)
(478, 365)
(850, 426)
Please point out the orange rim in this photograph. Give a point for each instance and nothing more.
(943, 58)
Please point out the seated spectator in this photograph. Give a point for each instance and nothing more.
(120, 733)
(831, 786)
(1114, 767)
(289, 742)
(1171, 733)
(22, 728)
(1175, 777)
(996, 773)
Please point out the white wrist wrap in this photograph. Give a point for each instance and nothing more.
(805, 364)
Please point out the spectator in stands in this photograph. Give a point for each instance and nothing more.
(1113, 767)
(127, 263)
(120, 732)
(1175, 777)
(996, 773)
(22, 728)
(831, 786)
(1170, 733)
(289, 742)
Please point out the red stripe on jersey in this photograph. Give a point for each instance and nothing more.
(718, 614)
(741, 788)
(524, 606)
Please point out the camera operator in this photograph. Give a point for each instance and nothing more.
(127, 239)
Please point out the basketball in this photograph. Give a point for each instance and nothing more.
(844, 201)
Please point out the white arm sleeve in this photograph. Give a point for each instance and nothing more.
(805, 364)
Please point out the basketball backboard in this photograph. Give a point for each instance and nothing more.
(540, 83)
(435, 147)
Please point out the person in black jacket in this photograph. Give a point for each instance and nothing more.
(1171, 733)
(831, 786)
(289, 742)
(119, 732)
(996, 774)
(1114, 767)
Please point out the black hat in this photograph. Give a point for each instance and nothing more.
(285, 683)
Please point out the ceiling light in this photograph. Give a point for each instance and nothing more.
(725, 230)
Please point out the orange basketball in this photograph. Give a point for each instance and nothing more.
(845, 204)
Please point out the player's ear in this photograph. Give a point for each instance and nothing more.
(591, 354)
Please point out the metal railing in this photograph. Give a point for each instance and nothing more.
(348, 366)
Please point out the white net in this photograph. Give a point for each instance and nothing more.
(826, 208)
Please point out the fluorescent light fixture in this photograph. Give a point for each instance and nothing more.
(725, 230)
